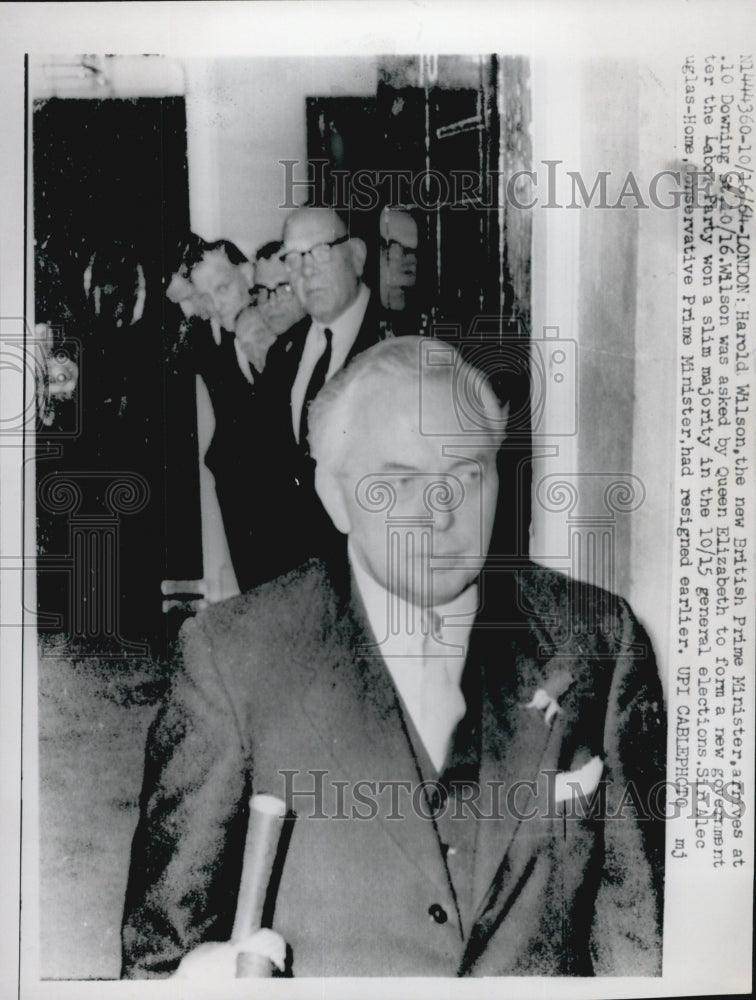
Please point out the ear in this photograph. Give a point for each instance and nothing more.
(331, 494)
(504, 417)
(358, 250)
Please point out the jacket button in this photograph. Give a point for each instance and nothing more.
(438, 913)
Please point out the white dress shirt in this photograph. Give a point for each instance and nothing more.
(425, 654)
(344, 329)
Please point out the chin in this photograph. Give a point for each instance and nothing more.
(320, 297)
(441, 595)
(446, 590)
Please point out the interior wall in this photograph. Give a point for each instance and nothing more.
(628, 325)
(607, 312)
(556, 265)
(605, 278)
(243, 116)
(651, 554)
(601, 278)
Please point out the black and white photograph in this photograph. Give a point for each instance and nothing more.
(377, 499)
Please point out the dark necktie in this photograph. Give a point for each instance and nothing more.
(316, 383)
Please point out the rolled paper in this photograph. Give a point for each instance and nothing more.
(249, 965)
(266, 816)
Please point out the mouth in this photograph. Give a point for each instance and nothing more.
(434, 557)
(458, 560)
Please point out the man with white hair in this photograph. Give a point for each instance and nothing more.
(458, 739)
(223, 275)
(224, 340)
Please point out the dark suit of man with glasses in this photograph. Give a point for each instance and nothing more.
(324, 266)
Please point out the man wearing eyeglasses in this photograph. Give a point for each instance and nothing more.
(324, 266)
(273, 292)
(398, 260)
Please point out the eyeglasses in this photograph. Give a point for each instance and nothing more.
(320, 254)
(397, 251)
(262, 294)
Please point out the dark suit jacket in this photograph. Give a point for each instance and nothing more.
(232, 396)
(293, 526)
(279, 691)
(237, 430)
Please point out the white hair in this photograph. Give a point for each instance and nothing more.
(386, 368)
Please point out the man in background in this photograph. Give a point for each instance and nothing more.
(273, 292)
(224, 275)
(402, 274)
(221, 340)
(324, 266)
(398, 259)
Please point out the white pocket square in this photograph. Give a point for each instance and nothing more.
(583, 781)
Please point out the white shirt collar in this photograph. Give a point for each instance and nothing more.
(405, 655)
(345, 328)
(344, 331)
(397, 624)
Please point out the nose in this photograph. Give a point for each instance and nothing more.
(308, 264)
(443, 519)
(204, 306)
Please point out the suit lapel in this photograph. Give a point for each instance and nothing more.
(289, 350)
(518, 745)
(512, 742)
(352, 704)
(284, 359)
(369, 332)
(282, 373)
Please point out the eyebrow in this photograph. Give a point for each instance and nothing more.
(479, 456)
(318, 240)
(398, 467)
(459, 464)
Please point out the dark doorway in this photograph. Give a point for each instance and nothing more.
(117, 473)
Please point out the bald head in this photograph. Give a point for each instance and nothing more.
(324, 264)
(328, 223)
(397, 224)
